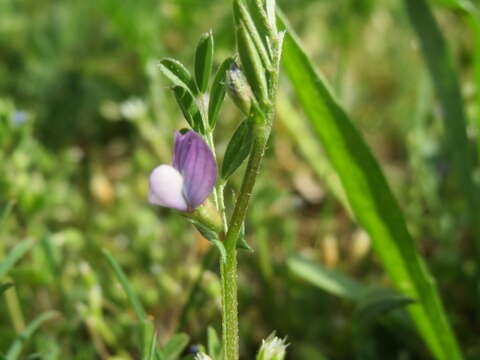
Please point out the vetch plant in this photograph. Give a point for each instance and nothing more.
(185, 186)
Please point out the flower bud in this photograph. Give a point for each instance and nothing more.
(238, 89)
(207, 215)
(273, 348)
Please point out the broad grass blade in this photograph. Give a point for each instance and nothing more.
(373, 303)
(328, 280)
(371, 200)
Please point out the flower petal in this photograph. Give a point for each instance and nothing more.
(194, 160)
(166, 185)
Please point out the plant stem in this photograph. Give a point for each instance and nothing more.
(229, 268)
(262, 127)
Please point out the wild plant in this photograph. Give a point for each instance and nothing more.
(251, 79)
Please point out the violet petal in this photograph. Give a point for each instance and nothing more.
(166, 188)
(194, 160)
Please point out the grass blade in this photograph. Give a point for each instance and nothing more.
(17, 346)
(445, 80)
(328, 280)
(372, 303)
(149, 340)
(15, 254)
(174, 347)
(147, 325)
(474, 20)
(371, 200)
(127, 287)
(309, 147)
(7, 209)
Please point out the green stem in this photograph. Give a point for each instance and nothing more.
(229, 268)
(262, 127)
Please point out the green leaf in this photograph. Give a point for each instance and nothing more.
(5, 287)
(16, 348)
(329, 280)
(173, 348)
(214, 344)
(217, 92)
(178, 74)
(221, 249)
(378, 302)
(207, 233)
(371, 200)
(13, 256)
(238, 149)
(203, 61)
(127, 287)
(241, 242)
(189, 108)
(252, 65)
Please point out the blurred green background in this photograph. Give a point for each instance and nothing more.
(85, 115)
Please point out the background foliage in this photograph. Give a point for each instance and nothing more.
(85, 116)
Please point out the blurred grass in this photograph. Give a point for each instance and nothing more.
(370, 197)
(85, 115)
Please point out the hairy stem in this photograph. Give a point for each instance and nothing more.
(229, 268)
(262, 127)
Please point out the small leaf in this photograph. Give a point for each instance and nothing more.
(203, 61)
(178, 74)
(214, 344)
(252, 65)
(245, 20)
(5, 287)
(237, 149)
(207, 233)
(217, 92)
(189, 108)
(174, 348)
(221, 249)
(241, 242)
(378, 302)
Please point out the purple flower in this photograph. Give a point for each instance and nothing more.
(190, 180)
